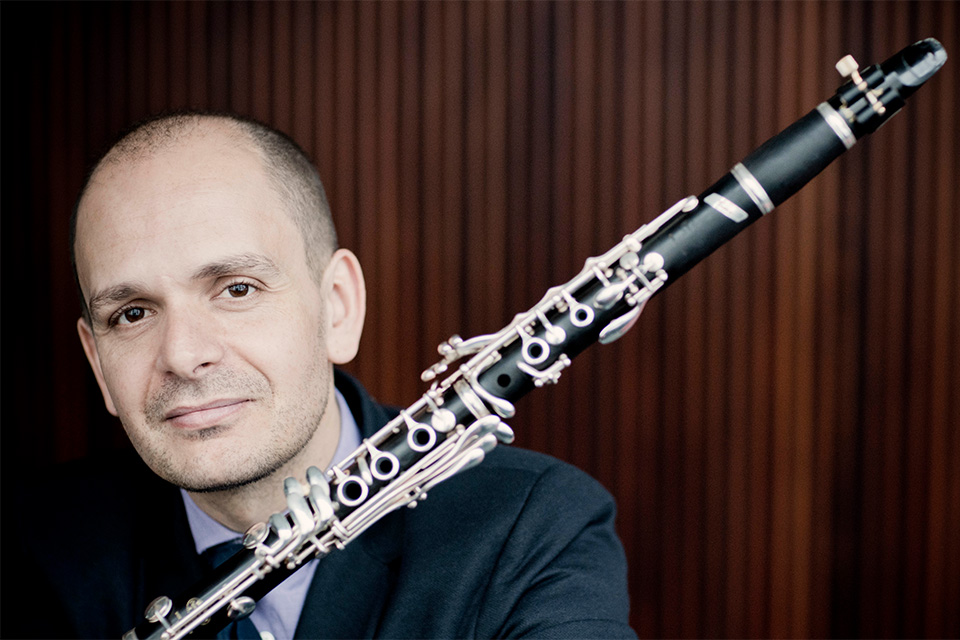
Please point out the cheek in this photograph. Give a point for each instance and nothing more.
(126, 373)
(285, 345)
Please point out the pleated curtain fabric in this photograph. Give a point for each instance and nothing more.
(779, 428)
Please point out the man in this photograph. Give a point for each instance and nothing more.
(215, 306)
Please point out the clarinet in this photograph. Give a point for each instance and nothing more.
(460, 418)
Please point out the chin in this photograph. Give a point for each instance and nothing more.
(218, 459)
(211, 475)
(218, 484)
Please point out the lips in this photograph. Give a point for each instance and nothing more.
(206, 415)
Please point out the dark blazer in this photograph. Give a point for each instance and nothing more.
(523, 544)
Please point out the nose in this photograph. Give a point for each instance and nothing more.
(191, 344)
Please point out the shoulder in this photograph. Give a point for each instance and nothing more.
(545, 475)
(95, 495)
(538, 502)
(522, 544)
(518, 491)
(87, 530)
(101, 494)
(561, 570)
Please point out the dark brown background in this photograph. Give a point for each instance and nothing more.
(780, 429)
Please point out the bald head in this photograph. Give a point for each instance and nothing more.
(287, 167)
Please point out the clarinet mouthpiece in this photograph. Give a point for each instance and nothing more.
(919, 62)
(874, 94)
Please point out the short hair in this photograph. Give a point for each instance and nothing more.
(289, 169)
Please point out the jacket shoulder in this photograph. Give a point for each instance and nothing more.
(81, 571)
(519, 545)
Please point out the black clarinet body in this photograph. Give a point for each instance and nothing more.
(785, 163)
(459, 419)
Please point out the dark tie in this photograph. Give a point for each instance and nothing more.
(242, 629)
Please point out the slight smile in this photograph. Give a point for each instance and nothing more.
(205, 415)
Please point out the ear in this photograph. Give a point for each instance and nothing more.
(93, 357)
(346, 300)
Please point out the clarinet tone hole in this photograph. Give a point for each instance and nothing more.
(503, 380)
(352, 492)
(535, 350)
(385, 466)
(421, 438)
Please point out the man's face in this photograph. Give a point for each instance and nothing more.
(207, 327)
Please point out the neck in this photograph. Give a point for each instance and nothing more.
(238, 509)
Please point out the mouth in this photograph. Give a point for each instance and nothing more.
(206, 415)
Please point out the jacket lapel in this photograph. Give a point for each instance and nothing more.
(349, 591)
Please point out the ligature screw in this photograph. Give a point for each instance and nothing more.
(848, 68)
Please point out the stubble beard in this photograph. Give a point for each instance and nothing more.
(290, 428)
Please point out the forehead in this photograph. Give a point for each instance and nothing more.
(166, 211)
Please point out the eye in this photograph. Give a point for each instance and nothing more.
(239, 289)
(130, 315)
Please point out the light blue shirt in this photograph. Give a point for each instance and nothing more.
(278, 611)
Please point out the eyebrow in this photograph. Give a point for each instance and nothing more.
(114, 294)
(232, 265)
(241, 263)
